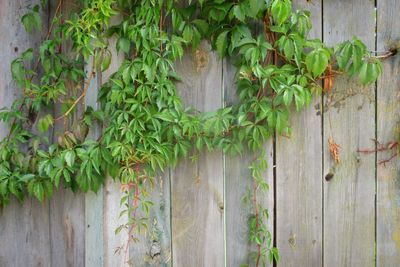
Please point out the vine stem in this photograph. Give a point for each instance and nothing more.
(85, 89)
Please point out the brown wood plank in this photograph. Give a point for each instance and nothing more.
(299, 176)
(197, 187)
(388, 113)
(349, 208)
(24, 229)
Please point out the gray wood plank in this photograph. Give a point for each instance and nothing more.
(197, 187)
(237, 180)
(24, 229)
(94, 202)
(154, 247)
(349, 209)
(299, 177)
(388, 112)
(112, 192)
(67, 209)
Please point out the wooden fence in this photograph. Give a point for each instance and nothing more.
(199, 219)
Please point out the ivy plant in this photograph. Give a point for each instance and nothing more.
(144, 125)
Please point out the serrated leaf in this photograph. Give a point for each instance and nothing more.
(123, 44)
(45, 122)
(280, 10)
(70, 158)
(317, 61)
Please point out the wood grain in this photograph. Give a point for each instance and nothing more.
(94, 202)
(388, 113)
(112, 189)
(349, 208)
(154, 247)
(237, 181)
(299, 176)
(67, 209)
(197, 187)
(24, 228)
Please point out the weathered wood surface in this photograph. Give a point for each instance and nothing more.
(237, 181)
(199, 218)
(154, 247)
(24, 229)
(349, 208)
(197, 187)
(388, 130)
(112, 191)
(299, 177)
(67, 209)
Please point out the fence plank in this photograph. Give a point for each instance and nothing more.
(349, 210)
(299, 177)
(67, 209)
(94, 202)
(154, 248)
(237, 181)
(24, 229)
(197, 187)
(112, 193)
(388, 112)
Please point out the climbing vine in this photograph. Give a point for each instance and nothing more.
(144, 126)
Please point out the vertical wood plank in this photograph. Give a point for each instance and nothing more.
(299, 177)
(24, 229)
(197, 187)
(112, 189)
(237, 181)
(349, 208)
(388, 112)
(154, 247)
(94, 215)
(67, 209)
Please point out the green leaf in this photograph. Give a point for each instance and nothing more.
(18, 72)
(256, 6)
(317, 61)
(32, 19)
(70, 158)
(280, 10)
(222, 43)
(343, 55)
(369, 72)
(238, 13)
(188, 33)
(123, 44)
(45, 122)
(105, 64)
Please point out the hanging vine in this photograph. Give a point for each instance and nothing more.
(145, 126)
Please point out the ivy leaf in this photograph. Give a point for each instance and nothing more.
(222, 43)
(238, 13)
(28, 54)
(187, 33)
(280, 10)
(256, 6)
(18, 72)
(70, 158)
(105, 64)
(343, 56)
(124, 45)
(317, 61)
(369, 72)
(32, 20)
(45, 122)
